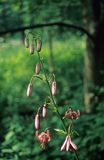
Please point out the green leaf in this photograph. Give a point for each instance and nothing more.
(59, 131)
(7, 150)
(53, 108)
(9, 135)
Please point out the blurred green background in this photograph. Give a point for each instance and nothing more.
(63, 53)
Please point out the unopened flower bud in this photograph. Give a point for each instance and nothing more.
(37, 69)
(37, 121)
(39, 45)
(29, 89)
(44, 111)
(54, 88)
(31, 48)
(26, 42)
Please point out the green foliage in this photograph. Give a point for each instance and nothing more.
(91, 132)
(17, 110)
(23, 13)
(59, 131)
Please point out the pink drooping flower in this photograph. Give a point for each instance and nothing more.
(37, 120)
(72, 114)
(29, 89)
(54, 88)
(43, 137)
(68, 145)
(44, 111)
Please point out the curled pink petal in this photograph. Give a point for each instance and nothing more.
(73, 146)
(63, 148)
(68, 143)
(44, 137)
(49, 134)
(37, 121)
(72, 114)
(78, 113)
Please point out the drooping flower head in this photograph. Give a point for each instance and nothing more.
(43, 137)
(72, 114)
(68, 145)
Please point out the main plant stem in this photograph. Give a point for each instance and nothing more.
(54, 103)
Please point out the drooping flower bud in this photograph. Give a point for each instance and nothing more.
(26, 42)
(54, 88)
(37, 68)
(39, 45)
(31, 48)
(63, 147)
(37, 121)
(44, 111)
(29, 89)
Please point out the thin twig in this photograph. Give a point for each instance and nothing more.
(60, 24)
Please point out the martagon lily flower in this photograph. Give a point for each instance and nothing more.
(43, 137)
(72, 114)
(68, 145)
